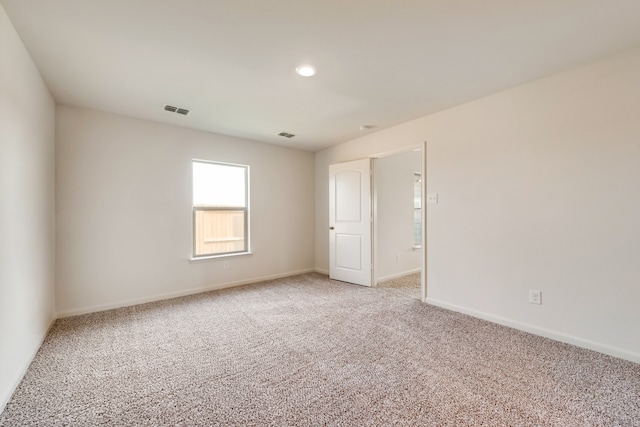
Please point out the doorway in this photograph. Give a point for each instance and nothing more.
(398, 212)
(392, 214)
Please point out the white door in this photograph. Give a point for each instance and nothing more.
(350, 222)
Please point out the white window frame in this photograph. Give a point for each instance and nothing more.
(417, 206)
(246, 209)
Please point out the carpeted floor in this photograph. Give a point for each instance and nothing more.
(308, 351)
(408, 282)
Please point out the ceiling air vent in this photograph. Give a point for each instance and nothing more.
(286, 135)
(173, 109)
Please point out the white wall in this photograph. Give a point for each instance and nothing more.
(27, 231)
(394, 180)
(538, 189)
(124, 210)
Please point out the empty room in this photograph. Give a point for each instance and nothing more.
(306, 213)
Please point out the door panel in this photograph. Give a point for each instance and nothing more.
(350, 222)
(348, 251)
(348, 196)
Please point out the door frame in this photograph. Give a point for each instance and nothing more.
(374, 200)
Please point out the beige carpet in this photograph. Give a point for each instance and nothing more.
(408, 282)
(308, 351)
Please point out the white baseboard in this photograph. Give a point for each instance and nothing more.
(322, 271)
(396, 275)
(169, 295)
(547, 333)
(23, 370)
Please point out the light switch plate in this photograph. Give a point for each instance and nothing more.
(535, 297)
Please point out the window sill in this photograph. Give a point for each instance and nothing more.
(209, 257)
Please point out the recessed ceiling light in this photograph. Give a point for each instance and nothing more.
(306, 70)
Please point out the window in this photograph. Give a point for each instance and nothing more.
(417, 210)
(220, 209)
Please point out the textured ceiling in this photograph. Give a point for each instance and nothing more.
(232, 62)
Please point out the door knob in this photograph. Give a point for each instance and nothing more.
(331, 228)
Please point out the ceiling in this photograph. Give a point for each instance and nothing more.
(379, 62)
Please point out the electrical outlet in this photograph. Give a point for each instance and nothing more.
(225, 265)
(535, 297)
